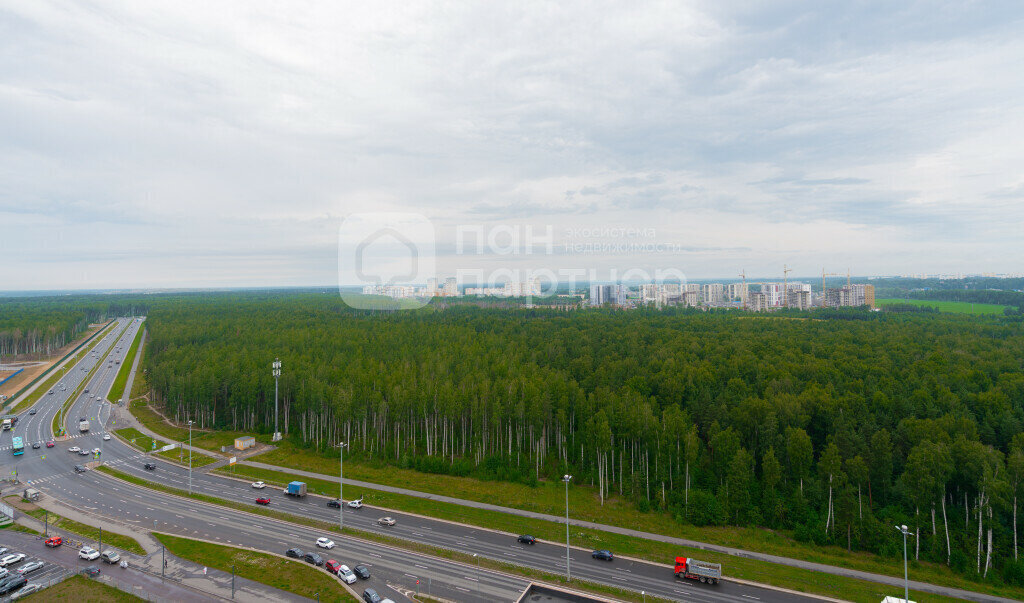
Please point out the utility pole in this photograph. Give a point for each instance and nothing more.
(785, 285)
(568, 575)
(276, 366)
(190, 457)
(906, 583)
(232, 580)
(101, 541)
(163, 560)
(743, 275)
(341, 475)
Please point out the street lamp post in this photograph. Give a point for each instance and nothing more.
(190, 457)
(341, 475)
(568, 574)
(906, 582)
(277, 374)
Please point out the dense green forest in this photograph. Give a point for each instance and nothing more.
(835, 425)
(41, 326)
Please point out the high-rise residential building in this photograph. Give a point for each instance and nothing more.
(757, 301)
(854, 295)
(608, 294)
(736, 291)
(451, 287)
(774, 294)
(713, 293)
(799, 299)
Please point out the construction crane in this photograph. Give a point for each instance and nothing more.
(785, 285)
(823, 275)
(743, 275)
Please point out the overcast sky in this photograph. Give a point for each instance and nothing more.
(223, 144)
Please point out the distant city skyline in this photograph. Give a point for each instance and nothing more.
(151, 145)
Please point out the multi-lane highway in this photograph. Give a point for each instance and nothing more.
(52, 471)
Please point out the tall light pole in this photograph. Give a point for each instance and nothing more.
(341, 474)
(566, 478)
(906, 583)
(277, 374)
(190, 457)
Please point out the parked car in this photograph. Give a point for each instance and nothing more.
(54, 541)
(386, 521)
(262, 501)
(3, 550)
(259, 485)
(12, 583)
(313, 559)
(295, 553)
(332, 566)
(602, 555)
(4, 573)
(355, 504)
(92, 571)
(346, 574)
(30, 567)
(11, 559)
(88, 553)
(325, 542)
(334, 504)
(110, 556)
(149, 467)
(27, 590)
(362, 571)
(527, 539)
(371, 596)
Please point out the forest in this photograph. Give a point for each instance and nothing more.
(41, 326)
(834, 425)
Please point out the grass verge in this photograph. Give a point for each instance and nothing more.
(285, 574)
(208, 440)
(83, 590)
(139, 440)
(181, 456)
(117, 388)
(765, 573)
(549, 498)
(953, 307)
(58, 522)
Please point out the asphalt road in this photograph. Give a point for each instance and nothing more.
(51, 470)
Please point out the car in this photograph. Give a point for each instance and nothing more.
(602, 555)
(88, 553)
(149, 467)
(332, 566)
(355, 504)
(92, 571)
(258, 485)
(27, 590)
(371, 596)
(3, 550)
(346, 574)
(36, 445)
(50, 444)
(527, 539)
(4, 573)
(12, 583)
(294, 553)
(386, 521)
(30, 567)
(106, 437)
(12, 559)
(262, 501)
(110, 556)
(362, 571)
(80, 469)
(34, 411)
(74, 449)
(83, 453)
(334, 504)
(54, 541)
(80, 419)
(325, 542)
(313, 559)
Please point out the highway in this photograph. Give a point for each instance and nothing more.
(52, 471)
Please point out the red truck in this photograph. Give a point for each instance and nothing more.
(54, 541)
(694, 569)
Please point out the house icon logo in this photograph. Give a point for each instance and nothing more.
(378, 252)
(391, 237)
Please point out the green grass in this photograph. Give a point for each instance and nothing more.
(59, 523)
(83, 590)
(208, 440)
(549, 498)
(278, 572)
(117, 389)
(954, 307)
(139, 440)
(182, 456)
(140, 387)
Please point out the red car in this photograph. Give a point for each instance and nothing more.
(50, 444)
(262, 501)
(332, 566)
(54, 541)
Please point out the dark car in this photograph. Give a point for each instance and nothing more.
(334, 504)
(33, 411)
(149, 467)
(313, 559)
(296, 553)
(527, 539)
(79, 469)
(362, 571)
(92, 571)
(371, 596)
(36, 445)
(12, 583)
(602, 555)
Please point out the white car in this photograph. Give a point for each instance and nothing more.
(259, 485)
(88, 553)
(346, 574)
(386, 521)
(355, 504)
(325, 543)
(106, 437)
(12, 559)
(74, 449)
(27, 590)
(30, 567)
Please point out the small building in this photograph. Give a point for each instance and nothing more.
(31, 494)
(244, 442)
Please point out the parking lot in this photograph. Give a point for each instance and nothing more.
(58, 563)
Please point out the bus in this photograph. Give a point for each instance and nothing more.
(18, 447)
